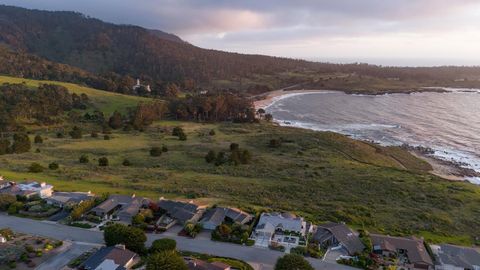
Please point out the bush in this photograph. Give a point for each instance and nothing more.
(103, 162)
(212, 132)
(165, 244)
(299, 250)
(177, 131)
(60, 135)
(166, 261)
(38, 139)
(234, 147)
(182, 137)
(275, 143)
(53, 166)
(293, 261)
(126, 163)
(35, 168)
(15, 207)
(155, 152)
(83, 159)
(6, 200)
(210, 157)
(76, 133)
(164, 149)
(133, 238)
(94, 134)
(106, 137)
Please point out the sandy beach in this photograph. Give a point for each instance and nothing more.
(264, 100)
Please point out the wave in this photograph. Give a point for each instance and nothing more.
(289, 95)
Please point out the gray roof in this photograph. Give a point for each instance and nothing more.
(69, 197)
(416, 251)
(217, 215)
(459, 256)
(281, 221)
(129, 206)
(343, 234)
(181, 211)
(119, 255)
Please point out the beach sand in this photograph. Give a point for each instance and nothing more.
(266, 99)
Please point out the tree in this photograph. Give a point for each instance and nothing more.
(53, 166)
(293, 262)
(268, 117)
(38, 139)
(234, 147)
(81, 208)
(103, 162)
(168, 260)
(6, 200)
(116, 120)
(212, 132)
(133, 238)
(15, 207)
(210, 157)
(182, 137)
(161, 245)
(60, 135)
(155, 151)
(83, 159)
(35, 168)
(76, 133)
(21, 143)
(177, 131)
(220, 159)
(164, 148)
(4, 146)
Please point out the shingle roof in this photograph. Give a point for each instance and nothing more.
(117, 254)
(459, 256)
(416, 251)
(181, 211)
(345, 236)
(278, 220)
(217, 215)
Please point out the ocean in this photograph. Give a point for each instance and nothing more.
(448, 123)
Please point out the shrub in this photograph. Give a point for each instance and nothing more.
(83, 159)
(15, 207)
(275, 143)
(6, 200)
(103, 162)
(165, 244)
(210, 157)
(53, 166)
(106, 137)
(292, 261)
(126, 163)
(177, 131)
(76, 133)
(94, 134)
(60, 135)
(182, 137)
(155, 151)
(234, 147)
(212, 132)
(133, 238)
(35, 168)
(38, 139)
(164, 148)
(166, 260)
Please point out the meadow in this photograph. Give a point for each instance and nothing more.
(322, 176)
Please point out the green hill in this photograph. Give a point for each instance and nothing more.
(107, 102)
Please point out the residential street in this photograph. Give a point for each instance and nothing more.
(259, 257)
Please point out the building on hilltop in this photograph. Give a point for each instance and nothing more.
(139, 86)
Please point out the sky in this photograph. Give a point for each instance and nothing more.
(386, 32)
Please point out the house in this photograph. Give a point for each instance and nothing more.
(179, 212)
(3, 240)
(216, 216)
(279, 229)
(338, 235)
(63, 199)
(29, 189)
(450, 257)
(111, 258)
(196, 264)
(410, 252)
(138, 86)
(123, 206)
(4, 183)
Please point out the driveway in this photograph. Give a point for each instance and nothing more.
(263, 259)
(71, 252)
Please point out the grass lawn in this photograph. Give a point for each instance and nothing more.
(320, 175)
(107, 102)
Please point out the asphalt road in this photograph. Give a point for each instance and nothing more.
(259, 257)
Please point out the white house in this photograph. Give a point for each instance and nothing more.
(42, 189)
(283, 229)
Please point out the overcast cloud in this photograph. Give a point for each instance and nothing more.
(419, 32)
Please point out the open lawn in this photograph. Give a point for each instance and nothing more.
(107, 102)
(321, 175)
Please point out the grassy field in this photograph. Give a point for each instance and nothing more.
(323, 176)
(107, 102)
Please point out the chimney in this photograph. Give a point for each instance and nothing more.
(43, 184)
(120, 246)
(133, 195)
